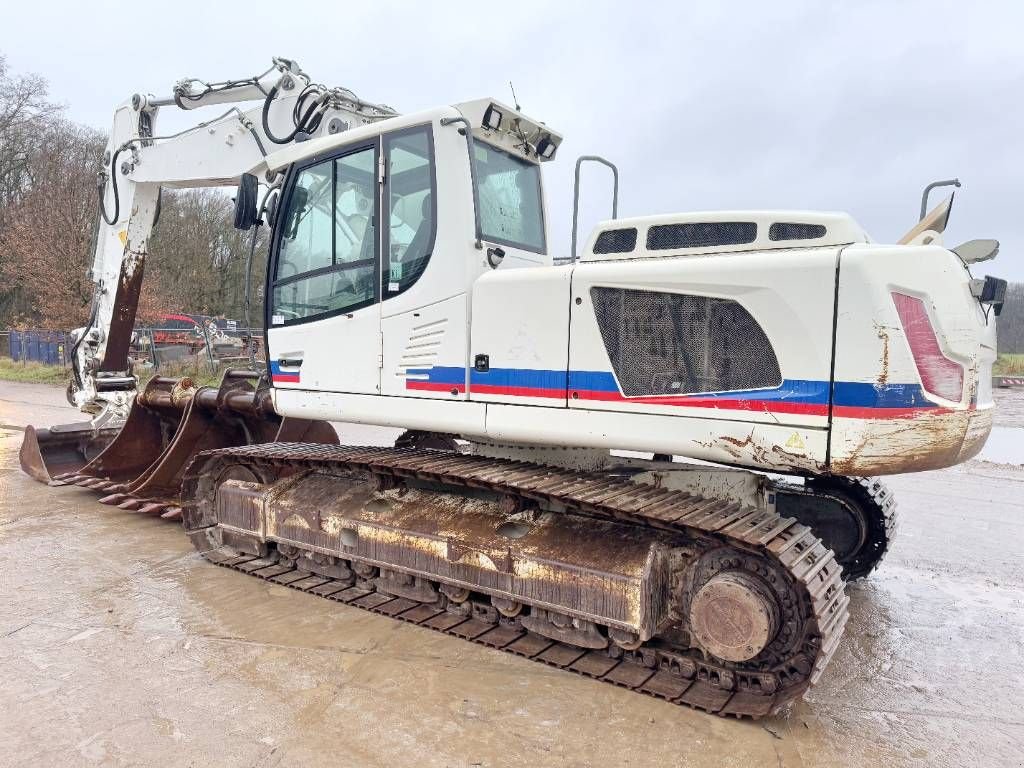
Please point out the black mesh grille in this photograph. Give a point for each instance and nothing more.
(781, 230)
(616, 241)
(700, 235)
(667, 343)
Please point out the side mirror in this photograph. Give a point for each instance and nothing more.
(271, 206)
(246, 212)
(296, 210)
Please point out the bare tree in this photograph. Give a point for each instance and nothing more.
(48, 219)
(24, 113)
(197, 259)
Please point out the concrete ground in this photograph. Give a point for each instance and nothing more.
(119, 646)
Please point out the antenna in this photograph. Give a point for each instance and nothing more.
(514, 99)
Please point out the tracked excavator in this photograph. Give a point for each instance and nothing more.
(533, 504)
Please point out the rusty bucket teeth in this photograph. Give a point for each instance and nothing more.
(170, 423)
(114, 499)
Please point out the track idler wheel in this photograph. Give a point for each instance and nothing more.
(734, 616)
(857, 521)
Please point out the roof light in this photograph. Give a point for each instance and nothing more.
(940, 376)
(492, 118)
(546, 147)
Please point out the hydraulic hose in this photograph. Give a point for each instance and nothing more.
(309, 121)
(111, 220)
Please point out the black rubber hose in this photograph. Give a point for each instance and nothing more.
(113, 183)
(266, 121)
(302, 124)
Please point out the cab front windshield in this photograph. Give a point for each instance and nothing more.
(508, 193)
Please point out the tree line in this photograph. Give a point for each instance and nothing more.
(1010, 327)
(49, 221)
(48, 224)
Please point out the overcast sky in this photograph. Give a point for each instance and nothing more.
(703, 105)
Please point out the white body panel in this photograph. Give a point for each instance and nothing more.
(537, 329)
(420, 339)
(793, 299)
(890, 422)
(521, 322)
(338, 354)
(549, 380)
(839, 229)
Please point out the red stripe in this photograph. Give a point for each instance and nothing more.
(683, 401)
(488, 389)
(291, 378)
(860, 412)
(433, 386)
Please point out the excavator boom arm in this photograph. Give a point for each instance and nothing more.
(139, 162)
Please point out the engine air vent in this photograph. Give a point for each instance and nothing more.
(673, 344)
(781, 230)
(663, 237)
(616, 241)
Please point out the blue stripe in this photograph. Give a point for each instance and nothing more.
(846, 393)
(275, 370)
(440, 374)
(855, 394)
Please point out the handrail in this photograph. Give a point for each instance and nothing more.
(576, 194)
(468, 130)
(929, 188)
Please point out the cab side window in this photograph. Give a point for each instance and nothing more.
(411, 204)
(326, 260)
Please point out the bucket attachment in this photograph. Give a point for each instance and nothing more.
(62, 449)
(171, 421)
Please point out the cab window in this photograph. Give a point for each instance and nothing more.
(508, 191)
(411, 205)
(326, 260)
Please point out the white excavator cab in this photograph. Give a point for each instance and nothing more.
(383, 232)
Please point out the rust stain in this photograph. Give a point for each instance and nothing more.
(910, 445)
(744, 443)
(883, 334)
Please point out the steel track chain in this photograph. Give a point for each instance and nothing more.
(697, 683)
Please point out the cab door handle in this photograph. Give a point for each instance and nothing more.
(290, 362)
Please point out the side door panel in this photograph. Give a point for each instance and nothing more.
(424, 311)
(323, 302)
(521, 330)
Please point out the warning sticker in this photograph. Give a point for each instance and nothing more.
(795, 441)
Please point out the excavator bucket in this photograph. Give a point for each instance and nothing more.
(171, 421)
(62, 449)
